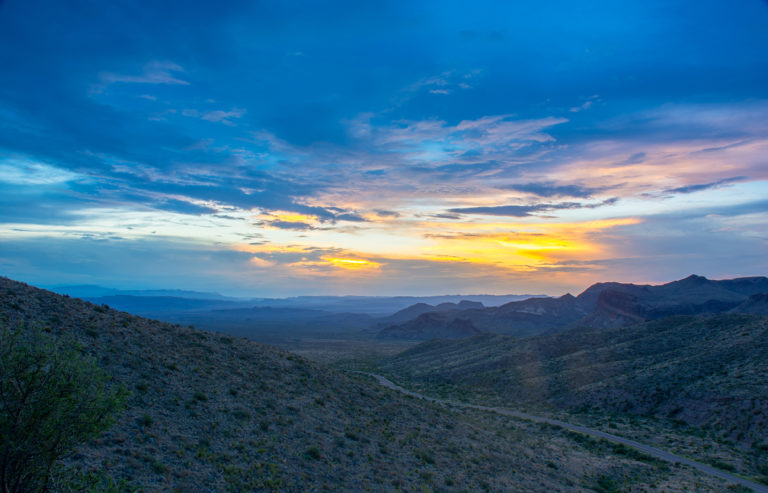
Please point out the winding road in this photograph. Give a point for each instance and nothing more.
(647, 449)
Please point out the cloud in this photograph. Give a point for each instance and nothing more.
(551, 189)
(705, 186)
(636, 158)
(155, 72)
(586, 104)
(223, 116)
(504, 210)
(30, 173)
(385, 213)
(261, 263)
(298, 226)
(528, 210)
(349, 217)
(217, 116)
(183, 207)
(445, 83)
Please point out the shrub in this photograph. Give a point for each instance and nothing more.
(52, 398)
(313, 452)
(425, 456)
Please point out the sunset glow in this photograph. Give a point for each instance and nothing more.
(353, 264)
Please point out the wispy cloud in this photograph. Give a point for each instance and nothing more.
(218, 116)
(156, 72)
(700, 187)
(446, 83)
(529, 210)
(17, 171)
(551, 189)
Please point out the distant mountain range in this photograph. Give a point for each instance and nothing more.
(378, 306)
(607, 304)
(274, 319)
(382, 306)
(93, 291)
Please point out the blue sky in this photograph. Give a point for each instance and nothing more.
(268, 149)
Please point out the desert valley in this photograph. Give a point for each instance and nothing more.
(679, 367)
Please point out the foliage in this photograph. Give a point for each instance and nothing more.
(71, 480)
(52, 398)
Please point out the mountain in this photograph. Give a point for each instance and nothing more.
(526, 317)
(431, 325)
(707, 371)
(414, 311)
(608, 304)
(209, 412)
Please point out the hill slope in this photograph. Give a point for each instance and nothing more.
(706, 371)
(213, 413)
(431, 325)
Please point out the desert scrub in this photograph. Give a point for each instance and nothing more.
(200, 396)
(425, 456)
(52, 398)
(313, 452)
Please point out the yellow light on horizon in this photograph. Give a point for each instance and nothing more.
(288, 217)
(353, 263)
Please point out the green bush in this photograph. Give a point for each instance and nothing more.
(52, 398)
(313, 452)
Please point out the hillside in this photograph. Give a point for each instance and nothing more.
(757, 304)
(696, 383)
(431, 325)
(607, 304)
(706, 371)
(213, 413)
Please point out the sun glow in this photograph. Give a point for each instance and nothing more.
(353, 263)
(522, 246)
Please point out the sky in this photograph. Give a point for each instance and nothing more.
(382, 148)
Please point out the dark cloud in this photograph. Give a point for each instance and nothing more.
(349, 217)
(529, 210)
(705, 186)
(294, 225)
(446, 216)
(504, 210)
(550, 189)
